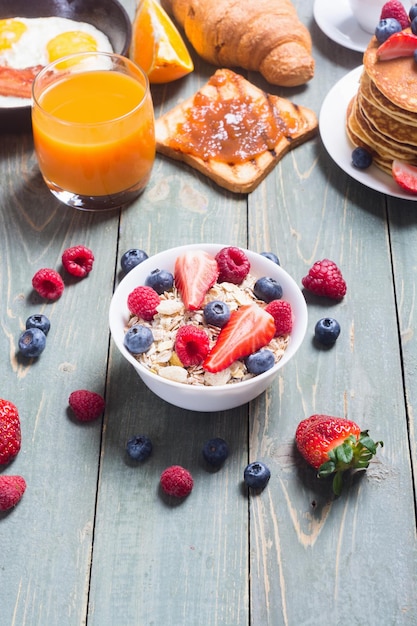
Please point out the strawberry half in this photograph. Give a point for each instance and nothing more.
(333, 445)
(195, 272)
(10, 433)
(405, 175)
(402, 44)
(248, 329)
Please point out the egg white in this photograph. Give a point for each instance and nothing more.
(31, 50)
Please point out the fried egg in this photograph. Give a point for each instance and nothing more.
(25, 42)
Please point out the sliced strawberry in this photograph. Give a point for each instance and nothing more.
(402, 44)
(405, 175)
(248, 329)
(195, 272)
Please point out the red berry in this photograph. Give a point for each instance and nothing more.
(191, 345)
(195, 273)
(333, 445)
(12, 489)
(78, 261)
(233, 265)
(86, 405)
(282, 313)
(142, 301)
(248, 329)
(325, 279)
(405, 175)
(176, 481)
(48, 283)
(10, 434)
(395, 9)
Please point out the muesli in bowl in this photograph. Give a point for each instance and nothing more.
(214, 336)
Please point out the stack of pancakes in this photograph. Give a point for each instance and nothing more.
(382, 116)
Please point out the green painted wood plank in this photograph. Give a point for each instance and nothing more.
(403, 225)
(47, 540)
(308, 551)
(154, 562)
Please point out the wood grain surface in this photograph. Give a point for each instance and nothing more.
(93, 541)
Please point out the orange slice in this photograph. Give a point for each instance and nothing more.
(157, 45)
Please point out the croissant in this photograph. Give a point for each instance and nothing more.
(257, 35)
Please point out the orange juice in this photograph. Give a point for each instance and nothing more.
(94, 132)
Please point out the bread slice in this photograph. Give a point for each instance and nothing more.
(298, 123)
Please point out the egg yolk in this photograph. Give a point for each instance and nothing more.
(10, 32)
(70, 43)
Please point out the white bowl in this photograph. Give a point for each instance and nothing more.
(205, 398)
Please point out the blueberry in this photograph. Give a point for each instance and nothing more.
(138, 339)
(412, 12)
(256, 475)
(216, 313)
(327, 331)
(139, 447)
(131, 258)
(160, 281)
(32, 342)
(267, 289)
(386, 28)
(271, 256)
(361, 158)
(413, 25)
(39, 321)
(215, 451)
(260, 361)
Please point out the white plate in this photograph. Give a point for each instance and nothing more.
(336, 20)
(332, 124)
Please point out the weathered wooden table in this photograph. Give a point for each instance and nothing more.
(92, 541)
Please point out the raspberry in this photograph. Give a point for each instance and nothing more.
(10, 434)
(233, 265)
(48, 283)
(325, 279)
(12, 489)
(191, 345)
(395, 10)
(142, 301)
(86, 405)
(78, 261)
(176, 481)
(282, 313)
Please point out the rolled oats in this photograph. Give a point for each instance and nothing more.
(161, 357)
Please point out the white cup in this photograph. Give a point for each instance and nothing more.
(367, 12)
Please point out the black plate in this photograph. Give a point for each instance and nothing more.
(107, 15)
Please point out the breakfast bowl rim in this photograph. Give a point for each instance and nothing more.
(128, 283)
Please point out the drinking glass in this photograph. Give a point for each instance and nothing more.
(93, 129)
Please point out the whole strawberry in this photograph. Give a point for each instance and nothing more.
(12, 489)
(333, 445)
(10, 435)
(325, 279)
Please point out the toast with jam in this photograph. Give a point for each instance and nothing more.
(232, 131)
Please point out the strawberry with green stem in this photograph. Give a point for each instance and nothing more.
(333, 445)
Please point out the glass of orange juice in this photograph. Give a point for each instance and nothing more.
(93, 129)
